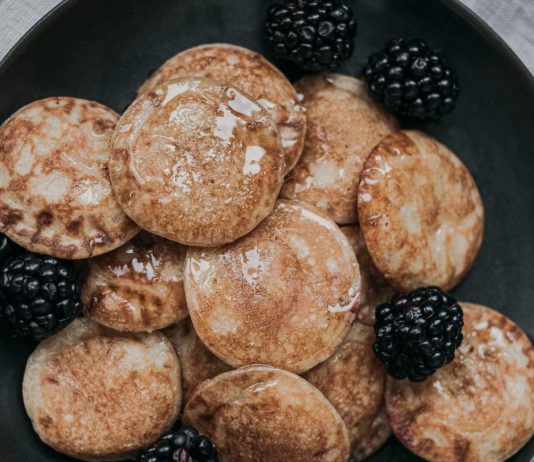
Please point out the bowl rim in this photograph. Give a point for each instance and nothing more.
(456, 6)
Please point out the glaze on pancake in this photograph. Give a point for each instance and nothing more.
(353, 380)
(344, 125)
(263, 414)
(251, 73)
(198, 363)
(480, 407)
(284, 295)
(375, 289)
(420, 212)
(55, 193)
(97, 394)
(139, 287)
(196, 162)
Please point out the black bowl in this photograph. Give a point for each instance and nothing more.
(104, 49)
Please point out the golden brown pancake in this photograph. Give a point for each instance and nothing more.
(353, 379)
(375, 289)
(263, 414)
(377, 433)
(97, 394)
(480, 407)
(55, 193)
(250, 72)
(344, 125)
(196, 162)
(197, 362)
(138, 287)
(420, 212)
(284, 295)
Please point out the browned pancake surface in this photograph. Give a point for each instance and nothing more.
(375, 289)
(251, 72)
(197, 162)
(262, 414)
(137, 287)
(97, 394)
(344, 125)
(55, 193)
(480, 407)
(420, 212)
(197, 362)
(376, 434)
(353, 380)
(283, 295)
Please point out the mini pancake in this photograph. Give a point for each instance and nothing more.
(198, 363)
(138, 287)
(251, 73)
(375, 289)
(480, 407)
(262, 414)
(353, 380)
(98, 394)
(55, 193)
(344, 125)
(420, 212)
(263, 298)
(377, 433)
(202, 157)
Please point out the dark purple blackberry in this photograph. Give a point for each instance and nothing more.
(39, 295)
(417, 333)
(182, 445)
(411, 79)
(317, 35)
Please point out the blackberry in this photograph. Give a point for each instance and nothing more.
(317, 35)
(411, 79)
(182, 445)
(39, 295)
(418, 332)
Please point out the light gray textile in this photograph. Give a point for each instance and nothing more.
(513, 20)
(17, 16)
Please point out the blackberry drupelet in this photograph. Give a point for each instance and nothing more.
(411, 79)
(182, 445)
(39, 295)
(317, 35)
(417, 333)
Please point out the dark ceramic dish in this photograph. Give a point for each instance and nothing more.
(104, 49)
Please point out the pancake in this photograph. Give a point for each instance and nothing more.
(96, 394)
(378, 432)
(250, 72)
(344, 125)
(198, 363)
(262, 414)
(138, 287)
(202, 157)
(480, 407)
(262, 299)
(55, 193)
(353, 380)
(375, 289)
(420, 212)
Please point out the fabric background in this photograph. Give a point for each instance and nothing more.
(513, 20)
